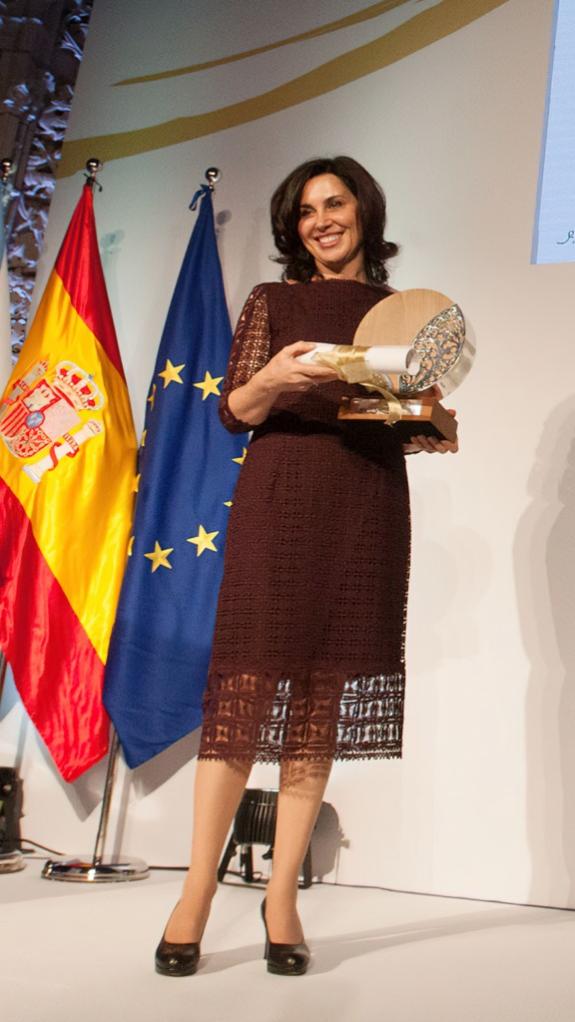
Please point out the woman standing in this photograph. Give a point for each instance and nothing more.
(308, 655)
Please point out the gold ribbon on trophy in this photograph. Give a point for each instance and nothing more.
(349, 362)
(411, 349)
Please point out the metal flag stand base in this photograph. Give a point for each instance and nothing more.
(99, 868)
(11, 862)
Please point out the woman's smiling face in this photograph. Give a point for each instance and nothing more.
(330, 227)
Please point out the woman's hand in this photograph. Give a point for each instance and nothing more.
(284, 372)
(252, 402)
(431, 444)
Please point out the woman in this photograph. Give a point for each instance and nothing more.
(308, 655)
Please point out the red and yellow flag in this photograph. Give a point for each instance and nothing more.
(67, 471)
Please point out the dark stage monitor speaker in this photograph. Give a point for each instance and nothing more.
(10, 810)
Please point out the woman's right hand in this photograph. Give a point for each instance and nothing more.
(283, 372)
(252, 402)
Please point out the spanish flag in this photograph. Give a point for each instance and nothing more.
(67, 479)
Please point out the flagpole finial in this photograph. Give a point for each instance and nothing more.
(93, 167)
(213, 175)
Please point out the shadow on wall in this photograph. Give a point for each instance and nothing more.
(544, 557)
(450, 573)
(153, 774)
(252, 245)
(110, 251)
(10, 697)
(85, 793)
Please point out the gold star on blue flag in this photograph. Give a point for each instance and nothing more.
(209, 385)
(159, 557)
(204, 541)
(171, 373)
(187, 471)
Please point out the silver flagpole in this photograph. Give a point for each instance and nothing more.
(99, 868)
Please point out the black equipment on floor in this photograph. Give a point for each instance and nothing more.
(10, 810)
(255, 824)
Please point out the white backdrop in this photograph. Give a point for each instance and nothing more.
(483, 802)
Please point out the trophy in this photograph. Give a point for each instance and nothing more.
(411, 349)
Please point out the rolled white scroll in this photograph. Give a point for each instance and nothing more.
(389, 358)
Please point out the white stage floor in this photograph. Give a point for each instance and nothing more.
(81, 952)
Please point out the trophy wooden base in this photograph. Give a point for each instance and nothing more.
(421, 416)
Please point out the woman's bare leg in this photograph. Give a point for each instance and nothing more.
(218, 789)
(302, 785)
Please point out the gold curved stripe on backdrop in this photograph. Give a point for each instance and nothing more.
(374, 11)
(428, 27)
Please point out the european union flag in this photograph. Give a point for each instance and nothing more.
(161, 643)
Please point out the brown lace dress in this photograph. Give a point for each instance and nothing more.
(308, 653)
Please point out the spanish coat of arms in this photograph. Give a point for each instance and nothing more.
(42, 413)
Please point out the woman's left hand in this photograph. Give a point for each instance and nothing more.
(431, 444)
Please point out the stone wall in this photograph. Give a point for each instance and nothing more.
(41, 46)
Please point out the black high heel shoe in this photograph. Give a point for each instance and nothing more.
(177, 959)
(285, 959)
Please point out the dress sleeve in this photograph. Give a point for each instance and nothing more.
(249, 353)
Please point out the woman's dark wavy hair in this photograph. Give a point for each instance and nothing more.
(285, 214)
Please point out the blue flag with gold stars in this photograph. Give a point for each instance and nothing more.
(188, 465)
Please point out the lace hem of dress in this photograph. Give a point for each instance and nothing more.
(317, 715)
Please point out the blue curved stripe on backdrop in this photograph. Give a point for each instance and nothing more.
(161, 642)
